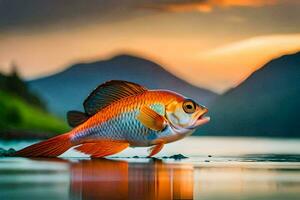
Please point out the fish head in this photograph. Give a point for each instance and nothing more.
(185, 115)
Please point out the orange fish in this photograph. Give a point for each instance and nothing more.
(119, 114)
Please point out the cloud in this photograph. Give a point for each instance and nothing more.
(266, 43)
(209, 5)
(234, 62)
(36, 14)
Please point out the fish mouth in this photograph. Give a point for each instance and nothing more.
(201, 119)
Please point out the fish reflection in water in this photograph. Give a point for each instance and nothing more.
(221, 178)
(112, 179)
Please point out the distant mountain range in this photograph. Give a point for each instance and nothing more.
(267, 103)
(67, 90)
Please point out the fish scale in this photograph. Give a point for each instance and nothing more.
(124, 126)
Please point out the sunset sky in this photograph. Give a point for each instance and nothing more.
(210, 43)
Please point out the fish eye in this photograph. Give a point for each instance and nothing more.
(189, 106)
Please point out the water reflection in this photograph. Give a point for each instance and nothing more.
(220, 178)
(111, 179)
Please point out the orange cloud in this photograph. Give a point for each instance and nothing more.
(209, 5)
(230, 64)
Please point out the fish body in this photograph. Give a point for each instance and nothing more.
(118, 121)
(119, 114)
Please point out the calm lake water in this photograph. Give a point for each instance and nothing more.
(217, 168)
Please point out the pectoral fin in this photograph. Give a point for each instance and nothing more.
(151, 119)
(155, 149)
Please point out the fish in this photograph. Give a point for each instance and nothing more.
(120, 114)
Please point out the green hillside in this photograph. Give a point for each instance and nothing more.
(18, 115)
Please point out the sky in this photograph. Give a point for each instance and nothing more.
(213, 44)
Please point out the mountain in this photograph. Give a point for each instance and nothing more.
(265, 104)
(67, 90)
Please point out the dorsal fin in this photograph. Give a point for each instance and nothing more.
(108, 93)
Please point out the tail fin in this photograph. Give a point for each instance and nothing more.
(52, 147)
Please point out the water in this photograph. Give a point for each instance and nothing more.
(217, 168)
